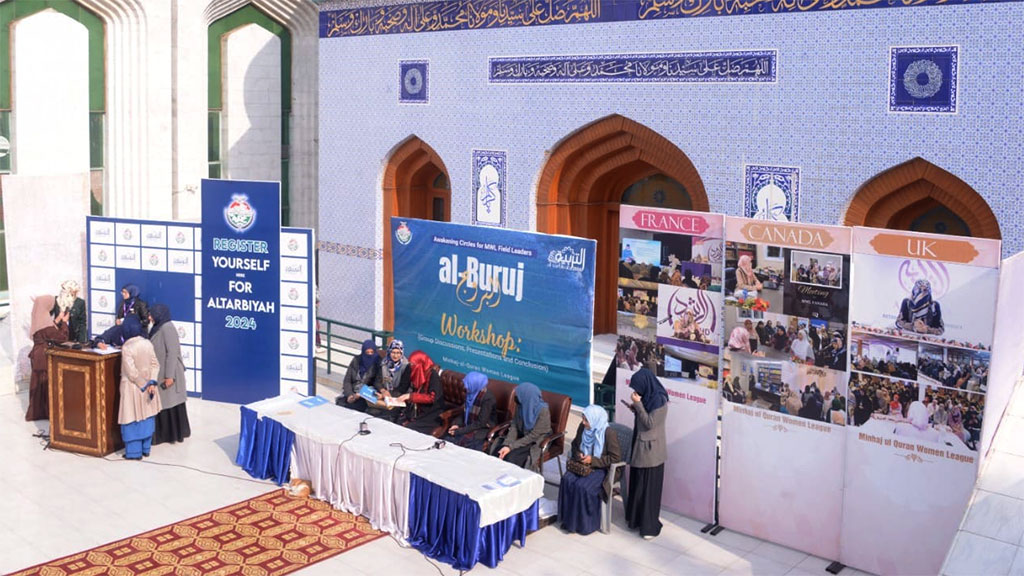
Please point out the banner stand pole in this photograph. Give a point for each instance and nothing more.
(714, 528)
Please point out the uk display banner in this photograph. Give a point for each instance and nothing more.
(241, 290)
(669, 318)
(160, 259)
(784, 382)
(517, 306)
(923, 311)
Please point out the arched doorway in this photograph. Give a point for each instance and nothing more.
(586, 178)
(415, 186)
(919, 196)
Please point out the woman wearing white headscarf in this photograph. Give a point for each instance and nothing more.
(579, 497)
(917, 424)
(45, 329)
(801, 348)
(68, 301)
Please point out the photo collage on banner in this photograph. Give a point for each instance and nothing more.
(669, 321)
(784, 382)
(922, 323)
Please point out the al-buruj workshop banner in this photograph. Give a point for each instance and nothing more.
(241, 290)
(784, 382)
(669, 320)
(922, 315)
(517, 306)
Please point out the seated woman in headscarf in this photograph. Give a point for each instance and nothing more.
(739, 340)
(363, 370)
(132, 305)
(579, 497)
(68, 301)
(140, 402)
(532, 422)
(469, 428)
(45, 328)
(920, 313)
(420, 389)
(917, 424)
(172, 422)
(801, 350)
(647, 462)
(746, 279)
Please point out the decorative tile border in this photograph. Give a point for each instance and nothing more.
(350, 250)
(449, 15)
(490, 194)
(733, 66)
(923, 79)
(413, 81)
(771, 193)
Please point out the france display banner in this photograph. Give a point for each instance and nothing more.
(517, 306)
(241, 290)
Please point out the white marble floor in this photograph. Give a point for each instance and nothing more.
(991, 536)
(58, 503)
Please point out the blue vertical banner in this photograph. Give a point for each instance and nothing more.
(517, 306)
(241, 237)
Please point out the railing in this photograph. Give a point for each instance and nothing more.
(330, 333)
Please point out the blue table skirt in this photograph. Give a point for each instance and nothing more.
(264, 447)
(445, 526)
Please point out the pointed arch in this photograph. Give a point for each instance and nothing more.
(581, 186)
(415, 185)
(910, 192)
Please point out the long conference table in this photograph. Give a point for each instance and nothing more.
(455, 505)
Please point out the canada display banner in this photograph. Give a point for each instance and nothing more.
(784, 382)
(923, 315)
(669, 318)
(517, 306)
(241, 290)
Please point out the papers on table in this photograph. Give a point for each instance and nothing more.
(313, 401)
(108, 350)
(503, 481)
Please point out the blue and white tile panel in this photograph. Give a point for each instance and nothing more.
(155, 246)
(297, 311)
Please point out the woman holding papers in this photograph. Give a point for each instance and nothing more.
(647, 465)
(469, 428)
(420, 388)
(364, 370)
(45, 329)
(579, 497)
(172, 421)
(139, 401)
(532, 422)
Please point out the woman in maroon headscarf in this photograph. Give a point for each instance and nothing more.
(420, 388)
(44, 329)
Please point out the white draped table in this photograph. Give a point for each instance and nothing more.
(369, 475)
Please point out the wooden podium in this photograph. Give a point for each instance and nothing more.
(84, 398)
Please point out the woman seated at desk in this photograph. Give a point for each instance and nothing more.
(470, 426)
(747, 283)
(580, 497)
(420, 386)
(532, 422)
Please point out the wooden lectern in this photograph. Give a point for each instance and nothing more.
(84, 397)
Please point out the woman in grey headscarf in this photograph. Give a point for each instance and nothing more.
(68, 301)
(172, 421)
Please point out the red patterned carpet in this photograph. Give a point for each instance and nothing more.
(265, 536)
